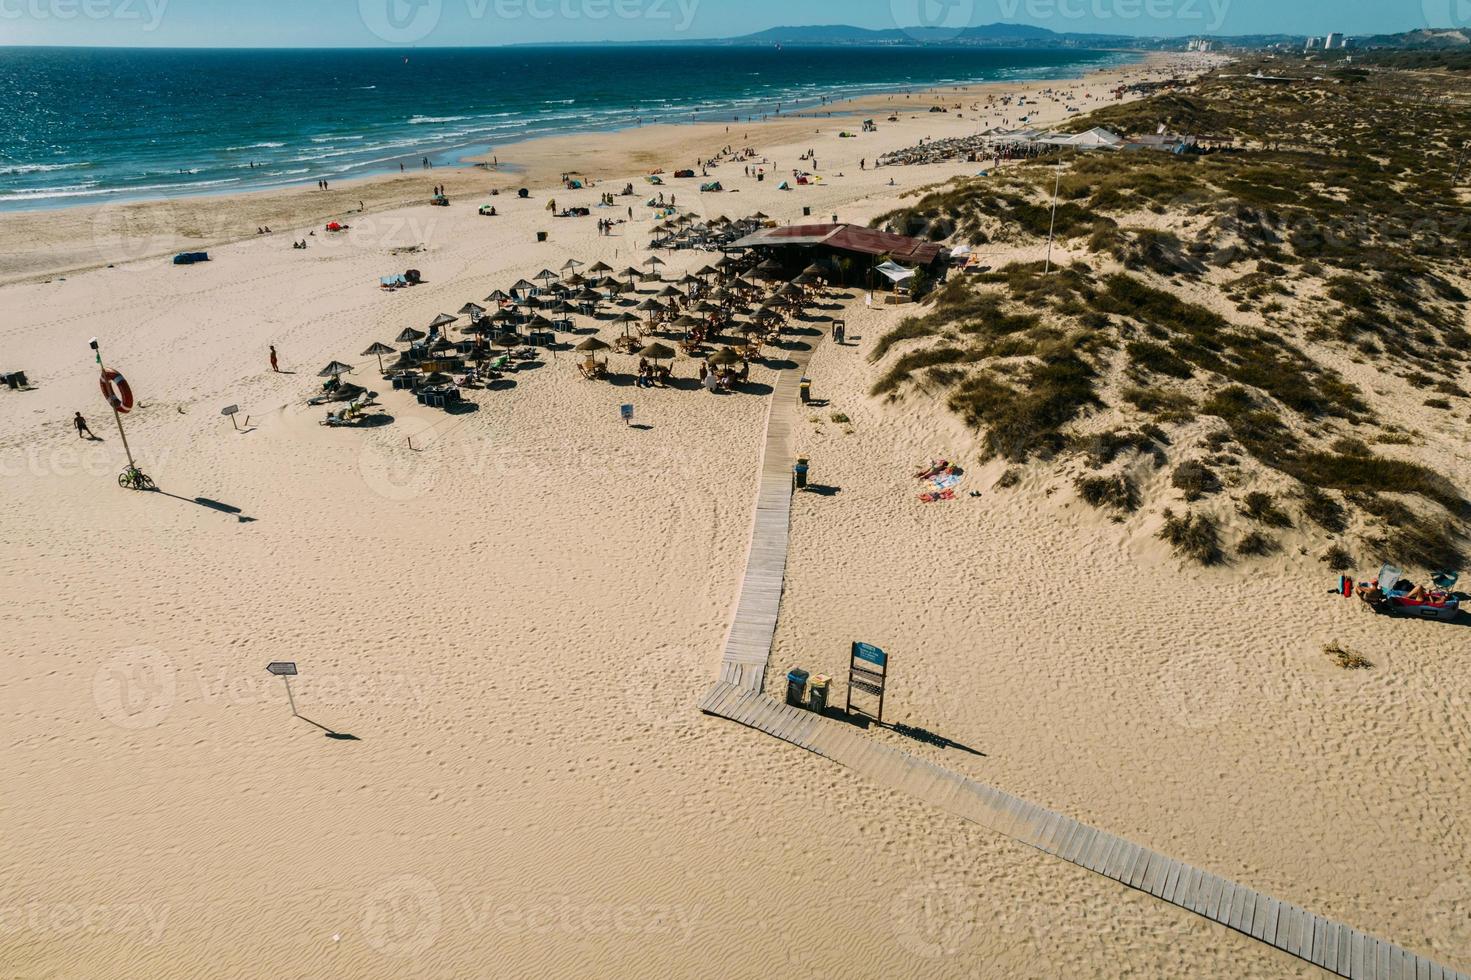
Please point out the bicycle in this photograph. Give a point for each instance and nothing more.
(133, 478)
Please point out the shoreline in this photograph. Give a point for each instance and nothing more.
(76, 238)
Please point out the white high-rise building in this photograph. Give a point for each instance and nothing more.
(1332, 41)
(1313, 43)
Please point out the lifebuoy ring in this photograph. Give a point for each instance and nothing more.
(115, 389)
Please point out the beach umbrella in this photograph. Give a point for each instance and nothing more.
(705, 306)
(508, 340)
(815, 269)
(334, 370)
(601, 267)
(572, 264)
(436, 379)
(724, 357)
(540, 322)
(441, 345)
(651, 306)
(689, 279)
(443, 320)
(378, 350)
(593, 344)
(708, 270)
(626, 319)
(404, 364)
(658, 352)
(522, 286)
(631, 273)
(546, 275)
(497, 297)
(565, 307)
(670, 292)
(410, 336)
(576, 279)
(760, 216)
(471, 310)
(654, 262)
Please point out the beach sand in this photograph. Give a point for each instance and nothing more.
(515, 619)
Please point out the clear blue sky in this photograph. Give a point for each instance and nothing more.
(402, 23)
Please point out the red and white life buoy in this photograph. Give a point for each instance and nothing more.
(115, 389)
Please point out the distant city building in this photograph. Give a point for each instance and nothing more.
(1201, 44)
(1332, 41)
(1313, 43)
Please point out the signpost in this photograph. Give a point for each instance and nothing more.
(285, 671)
(627, 412)
(868, 672)
(232, 411)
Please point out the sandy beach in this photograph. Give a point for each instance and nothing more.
(515, 618)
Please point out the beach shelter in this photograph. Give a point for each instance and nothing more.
(508, 340)
(630, 273)
(472, 310)
(410, 336)
(724, 357)
(522, 286)
(592, 345)
(576, 279)
(378, 350)
(654, 262)
(497, 297)
(668, 292)
(601, 267)
(625, 319)
(435, 379)
(443, 320)
(571, 265)
(404, 364)
(894, 272)
(546, 275)
(334, 370)
(658, 352)
(651, 306)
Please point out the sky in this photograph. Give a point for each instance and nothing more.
(426, 23)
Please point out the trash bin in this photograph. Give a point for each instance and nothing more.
(805, 389)
(799, 473)
(817, 693)
(760, 178)
(806, 212)
(796, 686)
(541, 236)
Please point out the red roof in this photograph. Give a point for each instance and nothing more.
(849, 238)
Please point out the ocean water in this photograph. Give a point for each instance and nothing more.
(89, 125)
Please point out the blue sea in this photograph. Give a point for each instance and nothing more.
(89, 125)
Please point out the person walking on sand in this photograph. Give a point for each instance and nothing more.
(275, 367)
(82, 431)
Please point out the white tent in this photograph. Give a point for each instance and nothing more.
(894, 272)
(1097, 138)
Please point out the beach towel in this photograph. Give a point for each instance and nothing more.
(936, 496)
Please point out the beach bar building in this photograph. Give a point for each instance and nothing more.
(798, 246)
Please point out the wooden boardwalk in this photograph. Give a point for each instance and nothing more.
(739, 696)
(1335, 947)
(748, 643)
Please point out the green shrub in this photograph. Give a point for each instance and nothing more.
(1195, 479)
(1193, 536)
(1258, 545)
(1118, 492)
(1260, 507)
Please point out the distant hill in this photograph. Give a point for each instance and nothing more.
(846, 34)
(1422, 40)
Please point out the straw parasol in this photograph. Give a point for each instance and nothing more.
(600, 268)
(593, 344)
(724, 357)
(410, 336)
(404, 364)
(651, 306)
(498, 296)
(625, 318)
(443, 320)
(378, 350)
(631, 273)
(572, 264)
(658, 352)
(654, 261)
(334, 370)
(472, 310)
(436, 379)
(522, 286)
(508, 340)
(669, 292)
(546, 275)
(576, 279)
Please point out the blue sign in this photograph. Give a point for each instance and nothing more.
(627, 412)
(872, 654)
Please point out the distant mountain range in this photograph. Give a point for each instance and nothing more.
(1027, 36)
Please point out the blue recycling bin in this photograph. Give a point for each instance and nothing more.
(797, 686)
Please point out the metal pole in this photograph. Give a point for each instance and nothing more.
(117, 416)
(288, 695)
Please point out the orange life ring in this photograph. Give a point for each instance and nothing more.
(115, 389)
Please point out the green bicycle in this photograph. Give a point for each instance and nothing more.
(133, 478)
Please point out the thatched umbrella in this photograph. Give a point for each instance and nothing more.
(379, 350)
(443, 320)
(522, 286)
(335, 370)
(472, 310)
(576, 279)
(592, 345)
(497, 297)
(404, 364)
(630, 273)
(708, 270)
(436, 379)
(541, 323)
(600, 268)
(724, 357)
(654, 262)
(441, 345)
(410, 336)
(658, 352)
(571, 264)
(669, 292)
(760, 216)
(626, 319)
(651, 306)
(546, 275)
(508, 340)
